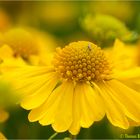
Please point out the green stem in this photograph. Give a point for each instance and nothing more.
(73, 137)
(52, 136)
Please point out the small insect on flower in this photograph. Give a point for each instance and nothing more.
(89, 47)
(79, 89)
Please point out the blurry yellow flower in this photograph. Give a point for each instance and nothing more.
(8, 60)
(21, 42)
(4, 115)
(80, 88)
(2, 137)
(25, 48)
(105, 29)
(46, 44)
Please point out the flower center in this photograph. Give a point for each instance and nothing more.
(82, 61)
(21, 42)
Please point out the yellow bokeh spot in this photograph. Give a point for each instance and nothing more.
(21, 41)
(3, 115)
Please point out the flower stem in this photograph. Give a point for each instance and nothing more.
(52, 136)
(73, 137)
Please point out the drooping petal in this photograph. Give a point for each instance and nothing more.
(124, 59)
(27, 72)
(88, 107)
(131, 84)
(129, 98)
(57, 110)
(29, 86)
(48, 109)
(130, 74)
(75, 127)
(115, 111)
(63, 117)
(33, 84)
(27, 78)
(41, 94)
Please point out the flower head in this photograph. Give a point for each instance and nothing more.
(80, 88)
(21, 41)
(82, 61)
(19, 47)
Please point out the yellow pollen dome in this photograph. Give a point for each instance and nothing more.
(21, 42)
(82, 61)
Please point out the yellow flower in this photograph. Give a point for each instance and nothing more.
(80, 88)
(8, 60)
(21, 44)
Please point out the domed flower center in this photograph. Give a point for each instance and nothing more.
(82, 61)
(21, 42)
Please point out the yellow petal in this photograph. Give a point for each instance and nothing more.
(88, 107)
(29, 86)
(2, 137)
(131, 84)
(129, 98)
(51, 109)
(63, 116)
(46, 112)
(29, 81)
(123, 56)
(75, 127)
(131, 74)
(41, 94)
(25, 75)
(8, 60)
(115, 111)
(6, 52)
(27, 72)
(9, 64)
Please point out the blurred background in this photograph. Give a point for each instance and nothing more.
(61, 23)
